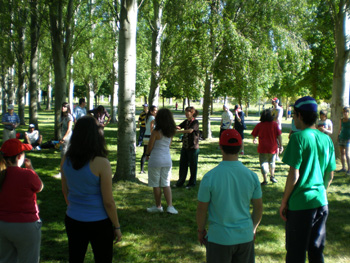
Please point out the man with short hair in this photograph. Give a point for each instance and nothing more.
(311, 159)
(226, 192)
(141, 123)
(80, 110)
(33, 137)
(10, 120)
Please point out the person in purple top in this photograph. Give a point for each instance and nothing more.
(100, 113)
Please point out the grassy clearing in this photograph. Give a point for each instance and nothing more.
(169, 238)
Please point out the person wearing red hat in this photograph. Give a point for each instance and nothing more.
(226, 192)
(20, 225)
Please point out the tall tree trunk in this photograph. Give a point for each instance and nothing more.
(157, 31)
(340, 90)
(33, 68)
(61, 39)
(115, 85)
(21, 20)
(206, 107)
(127, 78)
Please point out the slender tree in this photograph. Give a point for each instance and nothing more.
(127, 76)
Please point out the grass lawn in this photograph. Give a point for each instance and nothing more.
(173, 238)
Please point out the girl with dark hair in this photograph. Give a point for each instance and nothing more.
(159, 165)
(20, 225)
(150, 119)
(67, 125)
(86, 173)
(190, 148)
(269, 133)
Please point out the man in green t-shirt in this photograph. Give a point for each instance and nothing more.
(304, 207)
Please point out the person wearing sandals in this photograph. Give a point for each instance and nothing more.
(344, 141)
(159, 160)
(269, 133)
(150, 120)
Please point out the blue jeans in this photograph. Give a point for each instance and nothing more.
(306, 231)
(188, 158)
(142, 133)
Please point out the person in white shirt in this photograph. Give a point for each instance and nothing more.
(277, 113)
(226, 119)
(325, 125)
(33, 137)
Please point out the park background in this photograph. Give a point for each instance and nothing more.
(241, 52)
(173, 238)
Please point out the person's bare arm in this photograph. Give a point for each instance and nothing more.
(201, 217)
(292, 180)
(105, 173)
(257, 212)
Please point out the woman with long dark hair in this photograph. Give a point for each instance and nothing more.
(20, 225)
(91, 215)
(190, 148)
(67, 126)
(150, 120)
(159, 165)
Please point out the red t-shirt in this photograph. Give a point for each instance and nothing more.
(18, 196)
(267, 133)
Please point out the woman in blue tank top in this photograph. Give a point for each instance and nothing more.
(86, 173)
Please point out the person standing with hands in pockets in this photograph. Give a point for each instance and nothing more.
(311, 159)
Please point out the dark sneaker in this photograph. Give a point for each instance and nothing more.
(273, 179)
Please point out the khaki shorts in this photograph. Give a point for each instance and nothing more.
(159, 176)
(267, 160)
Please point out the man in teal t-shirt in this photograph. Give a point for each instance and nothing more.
(226, 193)
(310, 155)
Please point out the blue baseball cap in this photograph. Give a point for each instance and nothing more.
(306, 103)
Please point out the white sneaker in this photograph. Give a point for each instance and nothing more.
(155, 209)
(172, 210)
(38, 148)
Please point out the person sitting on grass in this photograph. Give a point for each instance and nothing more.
(226, 192)
(33, 137)
(269, 133)
(159, 164)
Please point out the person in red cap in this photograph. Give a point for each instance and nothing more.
(20, 225)
(226, 192)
